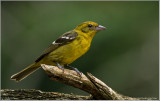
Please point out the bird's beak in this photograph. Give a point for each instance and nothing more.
(100, 27)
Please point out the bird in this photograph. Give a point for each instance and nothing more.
(65, 50)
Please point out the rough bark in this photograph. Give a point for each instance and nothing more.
(32, 94)
(98, 89)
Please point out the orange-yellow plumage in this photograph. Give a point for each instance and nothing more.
(65, 49)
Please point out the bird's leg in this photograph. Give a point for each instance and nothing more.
(80, 74)
(59, 66)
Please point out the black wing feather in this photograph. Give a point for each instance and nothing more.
(63, 40)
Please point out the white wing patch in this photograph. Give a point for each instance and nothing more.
(64, 37)
(53, 42)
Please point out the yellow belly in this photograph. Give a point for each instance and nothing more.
(68, 53)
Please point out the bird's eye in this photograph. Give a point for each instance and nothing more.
(89, 25)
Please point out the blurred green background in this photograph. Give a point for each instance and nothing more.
(125, 56)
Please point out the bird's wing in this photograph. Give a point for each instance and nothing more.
(63, 40)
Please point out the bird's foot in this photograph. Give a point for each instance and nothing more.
(80, 73)
(59, 66)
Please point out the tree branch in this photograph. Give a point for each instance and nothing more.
(98, 89)
(70, 77)
(92, 85)
(32, 94)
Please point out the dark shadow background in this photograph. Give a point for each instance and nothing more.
(125, 56)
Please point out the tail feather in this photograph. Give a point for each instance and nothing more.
(25, 72)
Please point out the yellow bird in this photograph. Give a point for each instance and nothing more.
(66, 49)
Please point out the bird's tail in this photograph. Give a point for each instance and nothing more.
(25, 72)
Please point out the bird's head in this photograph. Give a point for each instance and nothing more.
(89, 28)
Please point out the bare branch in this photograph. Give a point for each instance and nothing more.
(70, 77)
(106, 91)
(32, 94)
(98, 89)
(94, 86)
